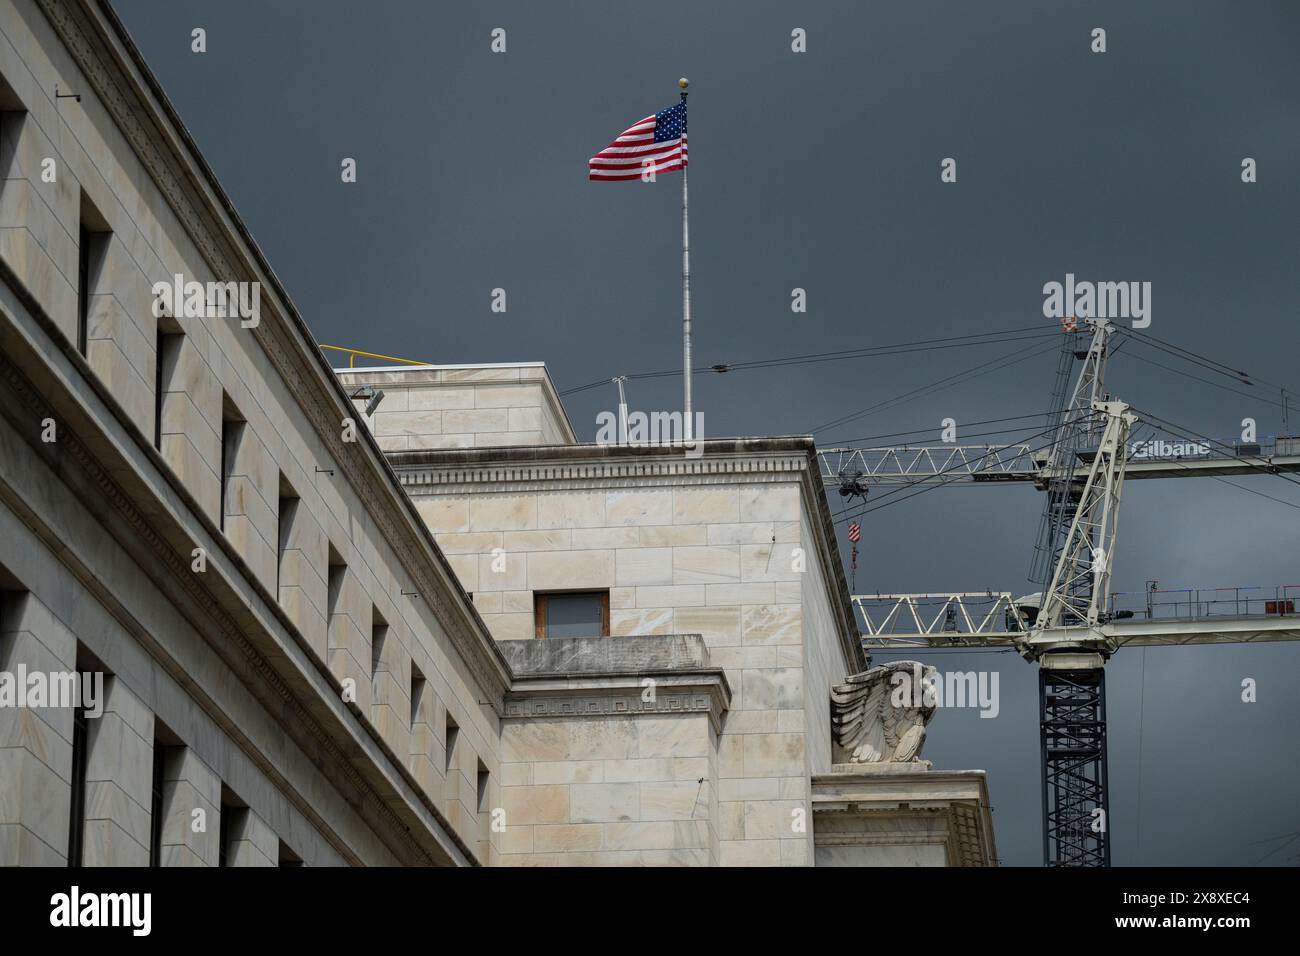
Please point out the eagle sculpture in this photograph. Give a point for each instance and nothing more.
(879, 716)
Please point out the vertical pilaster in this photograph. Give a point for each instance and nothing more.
(190, 838)
(119, 780)
(35, 742)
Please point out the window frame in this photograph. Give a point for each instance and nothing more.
(539, 610)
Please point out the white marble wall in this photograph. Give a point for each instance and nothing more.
(718, 557)
(609, 791)
(463, 406)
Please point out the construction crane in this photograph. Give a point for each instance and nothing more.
(1072, 626)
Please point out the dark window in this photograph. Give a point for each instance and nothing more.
(83, 287)
(156, 805)
(168, 350)
(572, 614)
(378, 634)
(288, 857)
(232, 431)
(451, 735)
(165, 745)
(482, 787)
(334, 582)
(87, 666)
(232, 822)
(417, 692)
(93, 237)
(77, 815)
(287, 510)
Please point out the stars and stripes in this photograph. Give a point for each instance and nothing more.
(655, 143)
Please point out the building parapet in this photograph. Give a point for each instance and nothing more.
(594, 677)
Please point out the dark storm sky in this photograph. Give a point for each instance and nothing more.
(821, 171)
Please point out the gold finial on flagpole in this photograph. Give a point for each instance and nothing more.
(683, 82)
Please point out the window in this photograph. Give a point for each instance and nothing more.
(286, 511)
(233, 821)
(482, 787)
(334, 582)
(451, 735)
(572, 614)
(167, 353)
(92, 238)
(232, 430)
(378, 634)
(223, 839)
(165, 743)
(417, 692)
(77, 816)
(287, 856)
(87, 664)
(156, 805)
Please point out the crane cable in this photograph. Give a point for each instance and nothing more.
(871, 351)
(936, 386)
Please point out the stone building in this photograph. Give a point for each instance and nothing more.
(304, 636)
(716, 564)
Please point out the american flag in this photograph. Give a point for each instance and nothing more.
(657, 142)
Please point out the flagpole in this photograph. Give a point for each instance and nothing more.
(687, 422)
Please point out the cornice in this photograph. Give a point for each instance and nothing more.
(104, 52)
(544, 696)
(583, 466)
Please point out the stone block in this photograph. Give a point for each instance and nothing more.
(644, 566)
(705, 565)
(603, 802)
(536, 804)
(639, 508)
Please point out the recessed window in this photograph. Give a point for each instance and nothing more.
(334, 582)
(417, 694)
(165, 745)
(287, 504)
(232, 432)
(231, 822)
(572, 614)
(92, 245)
(166, 359)
(87, 665)
(451, 733)
(378, 635)
(287, 857)
(482, 787)
(77, 814)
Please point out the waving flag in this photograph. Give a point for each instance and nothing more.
(657, 143)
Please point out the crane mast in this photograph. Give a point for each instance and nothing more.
(1077, 429)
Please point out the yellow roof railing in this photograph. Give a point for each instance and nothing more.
(353, 353)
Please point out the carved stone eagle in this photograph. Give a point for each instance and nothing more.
(879, 716)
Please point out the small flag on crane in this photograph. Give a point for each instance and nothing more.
(855, 532)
